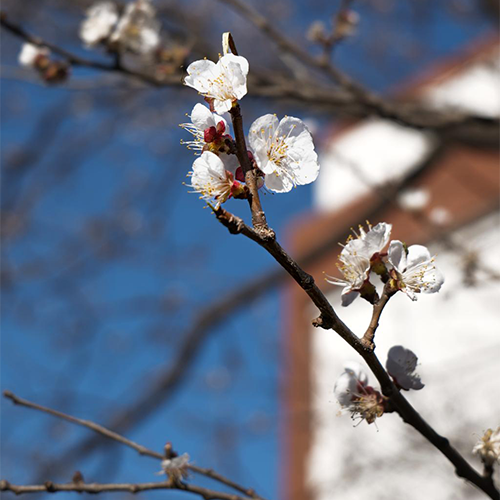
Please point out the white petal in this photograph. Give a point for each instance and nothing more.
(417, 254)
(397, 255)
(348, 296)
(308, 170)
(377, 238)
(138, 30)
(223, 106)
(208, 162)
(438, 280)
(202, 117)
(259, 138)
(421, 264)
(101, 18)
(235, 70)
(278, 183)
(30, 52)
(231, 162)
(357, 370)
(344, 389)
(401, 364)
(198, 74)
(349, 382)
(292, 127)
(262, 130)
(238, 60)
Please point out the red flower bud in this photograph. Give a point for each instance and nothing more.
(210, 134)
(221, 128)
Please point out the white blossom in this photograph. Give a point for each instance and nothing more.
(175, 467)
(401, 364)
(209, 132)
(29, 54)
(222, 83)
(355, 259)
(488, 448)
(138, 30)
(101, 19)
(284, 151)
(355, 395)
(350, 384)
(211, 180)
(202, 119)
(415, 270)
(414, 200)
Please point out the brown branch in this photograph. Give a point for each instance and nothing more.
(99, 429)
(95, 488)
(368, 337)
(350, 99)
(114, 67)
(413, 115)
(142, 450)
(329, 320)
(258, 215)
(170, 378)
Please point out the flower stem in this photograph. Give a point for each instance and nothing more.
(258, 216)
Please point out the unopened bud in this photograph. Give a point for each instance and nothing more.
(345, 24)
(317, 32)
(210, 134)
(55, 72)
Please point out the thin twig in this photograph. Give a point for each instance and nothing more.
(75, 60)
(411, 115)
(80, 487)
(368, 338)
(350, 99)
(258, 215)
(142, 450)
(84, 423)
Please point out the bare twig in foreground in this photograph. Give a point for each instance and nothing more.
(79, 487)
(142, 450)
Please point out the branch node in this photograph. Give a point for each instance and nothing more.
(322, 322)
(308, 282)
(49, 486)
(368, 344)
(266, 233)
(77, 477)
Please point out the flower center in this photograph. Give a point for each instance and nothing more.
(277, 150)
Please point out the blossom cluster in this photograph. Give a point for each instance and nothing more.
(135, 30)
(367, 403)
(40, 59)
(355, 395)
(488, 447)
(175, 467)
(408, 269)
(281, 151)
